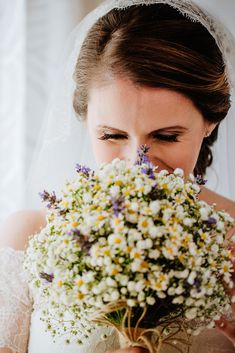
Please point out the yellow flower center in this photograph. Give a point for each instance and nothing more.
(158, 285)
(129, 248)
(162, 277)
(169, 249)
(74, 224)
(65, 203)
(136, 255)
(181, 257)
(126, 193)
(80, 282)
(114, 272)
(119, 182)
(117, 221)
(145, 223)
(80, 296)
(144, 265)
(106, 252)
(226, 268)
(100, 217)
(96, 187)
(203, 236)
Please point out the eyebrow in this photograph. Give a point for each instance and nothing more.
(177, 128)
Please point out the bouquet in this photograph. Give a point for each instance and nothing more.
(132, 248)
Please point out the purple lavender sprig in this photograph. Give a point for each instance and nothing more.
(143, 159)
(200, 180)
(75, 233)
(50, 198)
(46, 276)
(211, 221)
(148, 171)
(83, 170)
(83, 240)
(118, 204)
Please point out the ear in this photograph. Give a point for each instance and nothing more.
(209, 127)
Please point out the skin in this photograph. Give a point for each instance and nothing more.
(166, 121)
(122, 116)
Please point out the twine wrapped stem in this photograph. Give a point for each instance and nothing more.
(171, 332)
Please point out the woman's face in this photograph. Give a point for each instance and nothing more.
(122, 116)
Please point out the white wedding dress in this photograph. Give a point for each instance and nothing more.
(22, 331)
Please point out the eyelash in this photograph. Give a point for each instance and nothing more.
(161, 137)
(166, 138)
(106, 136)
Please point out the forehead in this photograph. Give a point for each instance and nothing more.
(121, 102)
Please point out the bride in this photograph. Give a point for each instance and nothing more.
(158, 75)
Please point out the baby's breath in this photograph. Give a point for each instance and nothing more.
(134, 234)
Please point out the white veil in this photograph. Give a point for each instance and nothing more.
(64, 140)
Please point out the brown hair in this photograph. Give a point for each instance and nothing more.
(156, 46)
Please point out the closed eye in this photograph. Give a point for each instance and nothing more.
(107, 136)
(156, 136)
(166, 137)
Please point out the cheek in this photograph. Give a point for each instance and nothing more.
(104, 152)
(182, 155)
(186, 159)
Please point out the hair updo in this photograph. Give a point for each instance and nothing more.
(156, 46)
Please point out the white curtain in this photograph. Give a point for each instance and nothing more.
(12, 103)
(33, 34)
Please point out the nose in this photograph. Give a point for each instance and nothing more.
(155, 157)
(130, 153)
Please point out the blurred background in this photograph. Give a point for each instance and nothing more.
(33, 35)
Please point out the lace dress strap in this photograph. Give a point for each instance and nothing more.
(15, 302)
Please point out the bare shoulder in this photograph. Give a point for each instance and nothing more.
(17, 228)
(222, 203)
